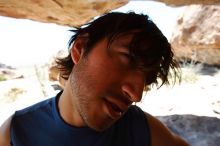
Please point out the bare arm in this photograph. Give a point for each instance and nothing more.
(161, 135)
(5, 133)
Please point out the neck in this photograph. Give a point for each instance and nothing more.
(67, 108)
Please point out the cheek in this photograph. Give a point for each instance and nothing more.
(107, 70)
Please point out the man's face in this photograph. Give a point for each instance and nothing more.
(104, 84)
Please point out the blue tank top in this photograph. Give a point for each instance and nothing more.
(41, 125)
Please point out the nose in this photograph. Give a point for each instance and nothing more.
(133, 87)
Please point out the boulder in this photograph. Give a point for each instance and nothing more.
(62, 12)
(188, 2)
(72, 13)
(9, 72)
(197, 130)
(197, 34)
(53, 71)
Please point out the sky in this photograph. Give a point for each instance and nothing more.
(27, 42)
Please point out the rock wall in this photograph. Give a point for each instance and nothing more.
(197, 34)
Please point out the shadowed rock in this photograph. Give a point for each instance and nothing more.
(197, 130)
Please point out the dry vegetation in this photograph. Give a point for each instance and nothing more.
(13, 93)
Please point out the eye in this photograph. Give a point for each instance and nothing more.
(124, 52)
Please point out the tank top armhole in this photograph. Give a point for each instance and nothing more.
(11, 128)
(145, 119)
(148, 128)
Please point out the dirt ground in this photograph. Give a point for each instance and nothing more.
(198, 94)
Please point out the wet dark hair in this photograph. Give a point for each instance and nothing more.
(150, 51)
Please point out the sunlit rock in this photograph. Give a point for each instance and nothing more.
(62, 12)
(197, 34)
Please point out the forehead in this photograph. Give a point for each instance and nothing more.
(121, 40)
(135, 41)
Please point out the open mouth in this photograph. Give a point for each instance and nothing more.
(114, 110)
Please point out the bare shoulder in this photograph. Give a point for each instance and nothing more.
(161, 135)
(5, 133)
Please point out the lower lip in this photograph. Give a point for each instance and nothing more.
(113, 114)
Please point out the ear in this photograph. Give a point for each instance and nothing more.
(77, 49)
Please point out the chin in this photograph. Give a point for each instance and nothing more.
(101, 126)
